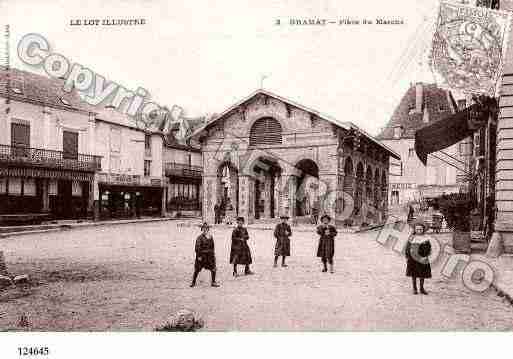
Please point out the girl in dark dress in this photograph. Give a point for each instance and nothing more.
(240, 252)
(326, 248)
(417, 252)
(205, 255)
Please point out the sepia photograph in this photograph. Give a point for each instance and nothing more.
(253, 167)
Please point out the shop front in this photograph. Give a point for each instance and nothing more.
(130, 196)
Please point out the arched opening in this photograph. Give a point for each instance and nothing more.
(384, 187)
(377, 189)
(264, 189)
(348, 178)
(265, 131)
(369, 178)
(360, 179)
(307, 188)
(227, 197)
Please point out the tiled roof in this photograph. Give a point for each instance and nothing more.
(33, 88)
(437, 102)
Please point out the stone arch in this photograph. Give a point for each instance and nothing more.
(348, 185)
(360, 170)
(307, 189)
(360, 179)
(369, 179)
(348, 167)
(377, 191)
(384, 186)
(264, 187)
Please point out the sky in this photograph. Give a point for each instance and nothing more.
(206, 55)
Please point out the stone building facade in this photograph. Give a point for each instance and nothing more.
(268, 156)
(47, 150)
(410, 180)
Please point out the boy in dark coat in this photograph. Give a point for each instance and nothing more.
(282, 233)
(326, 249)
(417, 252)
(240, 252)
(205, 255)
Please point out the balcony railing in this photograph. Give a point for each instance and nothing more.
(182, 170)
(38, 157)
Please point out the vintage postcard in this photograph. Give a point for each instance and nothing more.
(244, 166)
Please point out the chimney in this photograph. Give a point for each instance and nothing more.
(418, 97)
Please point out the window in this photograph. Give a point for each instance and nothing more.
(265, 131)
(147, 145)
(411, 152)
(20, 138)
(147, 167)
(69, 145)
(411, 109)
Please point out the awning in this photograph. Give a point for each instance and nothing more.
(446, 132)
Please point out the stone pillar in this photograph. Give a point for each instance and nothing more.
(328, 200)
(286, 193)
(277, 196)
(210, 190)
(267, 196)
(244, 199)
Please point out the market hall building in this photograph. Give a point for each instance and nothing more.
(268, 156)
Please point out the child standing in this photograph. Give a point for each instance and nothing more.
(282, 233)
(417, 252)
(205, 255)
(326, 249)
(240, 252)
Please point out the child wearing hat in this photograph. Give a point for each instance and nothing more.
(205, 255)
(282, 233)
(417, 252)
(240, 252)
(326, 248)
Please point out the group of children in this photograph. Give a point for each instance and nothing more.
(418, 250)
(240, 253)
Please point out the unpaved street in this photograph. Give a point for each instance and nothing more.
(131, 277)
